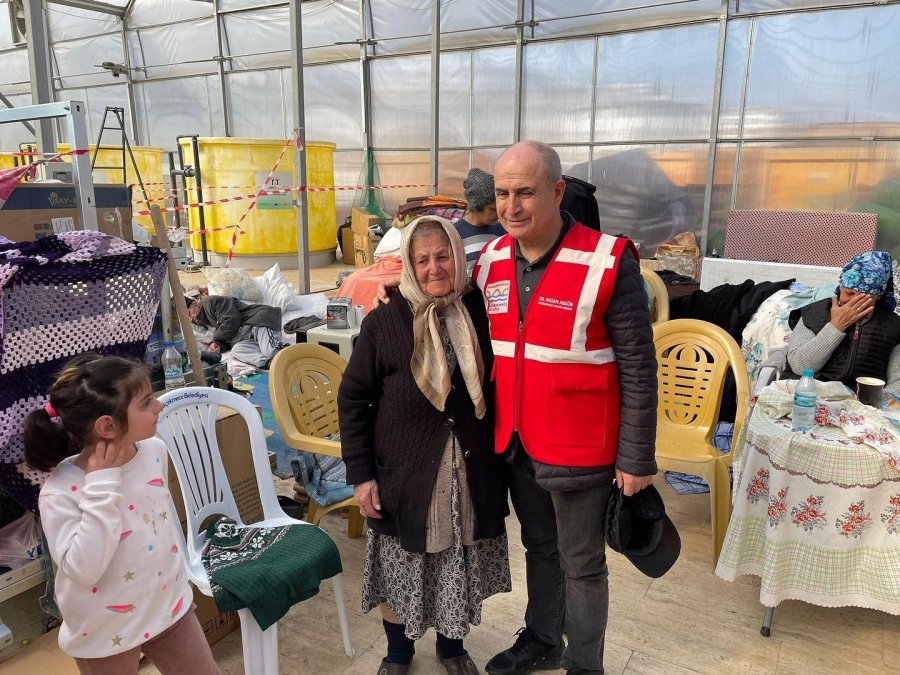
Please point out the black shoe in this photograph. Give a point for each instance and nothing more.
(387, 668)
(459, 665)
(528, 653)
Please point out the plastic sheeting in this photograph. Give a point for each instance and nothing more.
(333, 98)
(830, 70)
(178, 49)
(68, 23)
(493, 95)
(96, 100)
(77, 61)
(182, 106)
(14, 77)
(556, 91)
(589, 16)
(247, 34)
(656, 85)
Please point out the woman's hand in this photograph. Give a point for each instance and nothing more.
(108, 455)
(857, 308)
(367, 496)
(214, 347)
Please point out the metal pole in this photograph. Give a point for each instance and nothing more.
(300, 154)
(81, 164)
(198, 185)
(435, 90)
(129, 85)
(517, 93)
(364, 81)
(714, 126)
(220, 62)
(751, 24)
(39, 68)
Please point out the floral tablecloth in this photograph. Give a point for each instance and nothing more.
(817, 515)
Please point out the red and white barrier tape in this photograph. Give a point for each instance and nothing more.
(237, 228)
(277, 191)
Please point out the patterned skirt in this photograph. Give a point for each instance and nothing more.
(442, 590)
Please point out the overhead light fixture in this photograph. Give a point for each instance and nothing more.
(115, 68)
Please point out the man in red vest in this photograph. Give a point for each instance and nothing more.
(575, 377)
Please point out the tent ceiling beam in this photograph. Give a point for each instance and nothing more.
(93, 6)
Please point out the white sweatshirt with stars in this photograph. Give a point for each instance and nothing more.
(121, 578)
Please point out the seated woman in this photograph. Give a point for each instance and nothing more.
(853, 334)
(416, 417)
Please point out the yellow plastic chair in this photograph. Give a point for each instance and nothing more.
(303, 386)
(694, 358)
(659, 295)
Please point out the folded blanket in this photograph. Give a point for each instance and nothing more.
(266, 569)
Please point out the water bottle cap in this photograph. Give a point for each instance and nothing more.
(809, 372)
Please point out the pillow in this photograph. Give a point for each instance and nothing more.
(233, 283)
(275, 290)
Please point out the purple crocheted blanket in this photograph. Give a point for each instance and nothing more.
(63, 296)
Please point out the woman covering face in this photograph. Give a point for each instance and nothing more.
(855, 333)
(415, 407)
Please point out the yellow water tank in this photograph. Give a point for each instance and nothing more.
(238, 167)
(149, 163)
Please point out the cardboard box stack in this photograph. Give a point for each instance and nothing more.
(36, 210)
(364, 240)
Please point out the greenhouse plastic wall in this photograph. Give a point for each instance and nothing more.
(808, 117)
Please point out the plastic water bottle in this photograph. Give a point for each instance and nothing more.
(171, 363)
(803, 417)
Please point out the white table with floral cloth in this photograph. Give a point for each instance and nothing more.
(817, 515)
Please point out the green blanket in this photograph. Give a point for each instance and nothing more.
(266, 569)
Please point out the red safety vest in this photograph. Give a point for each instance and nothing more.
(555, 374)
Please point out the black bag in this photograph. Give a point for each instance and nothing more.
(580, 202)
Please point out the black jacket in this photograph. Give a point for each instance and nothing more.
(391, 433)
(866, 356)
(232, 320)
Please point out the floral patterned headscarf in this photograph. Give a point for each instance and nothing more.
(870, 273)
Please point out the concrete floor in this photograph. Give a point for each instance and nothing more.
(688, 621)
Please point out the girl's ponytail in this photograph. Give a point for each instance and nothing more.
(47, 443)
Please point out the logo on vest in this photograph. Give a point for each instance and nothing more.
(497, 296)
(556, 303)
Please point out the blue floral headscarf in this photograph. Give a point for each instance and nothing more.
(871, 273)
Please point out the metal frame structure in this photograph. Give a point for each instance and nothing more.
(74, 115)
(521, 33)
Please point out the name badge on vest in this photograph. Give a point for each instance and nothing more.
(497, 296)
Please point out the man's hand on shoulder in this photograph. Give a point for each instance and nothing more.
(383, 294)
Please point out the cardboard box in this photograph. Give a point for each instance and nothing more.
(35, 210)
(234, 444)
(364, 242)
(347, 245)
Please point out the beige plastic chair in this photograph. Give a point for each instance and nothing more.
(659, 295)
(694, 357)
(303, 386)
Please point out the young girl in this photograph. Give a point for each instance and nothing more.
(120, 583)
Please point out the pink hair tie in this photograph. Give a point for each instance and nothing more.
(51, 411)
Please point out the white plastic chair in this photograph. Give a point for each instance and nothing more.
(187, 425)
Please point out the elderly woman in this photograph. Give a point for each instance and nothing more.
(415, 409)
(855, 333)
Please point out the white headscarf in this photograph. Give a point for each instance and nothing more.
(429, 361)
